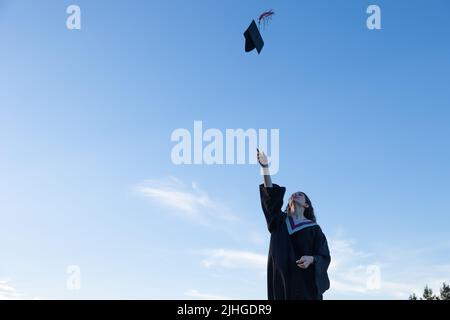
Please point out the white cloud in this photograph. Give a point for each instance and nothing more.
(8, 292)
(351, 271)
(400, 274)
(258, 238)
(189, 202)
(349, 268)
(233, 259)
(195, 294)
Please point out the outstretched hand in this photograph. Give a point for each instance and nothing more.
(262, 158)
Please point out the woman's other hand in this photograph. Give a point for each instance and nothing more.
(305, 262)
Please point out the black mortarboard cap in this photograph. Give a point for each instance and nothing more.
(253, 38)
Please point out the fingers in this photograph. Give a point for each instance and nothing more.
(300, 263)
(301, 260)
(261, 157)
(303, 263)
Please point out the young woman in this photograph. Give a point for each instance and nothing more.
(298, 255)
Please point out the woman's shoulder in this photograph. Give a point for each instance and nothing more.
(315, 227)
(318, 230)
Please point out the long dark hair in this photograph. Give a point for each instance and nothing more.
(309, 212)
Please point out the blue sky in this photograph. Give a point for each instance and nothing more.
(86, 118)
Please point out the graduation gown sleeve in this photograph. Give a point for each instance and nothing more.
(272, 202)
(322, 260)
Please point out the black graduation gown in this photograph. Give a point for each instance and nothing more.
(285, 280)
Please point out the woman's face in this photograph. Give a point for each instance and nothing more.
(299, 198)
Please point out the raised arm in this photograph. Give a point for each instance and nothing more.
(262, 160)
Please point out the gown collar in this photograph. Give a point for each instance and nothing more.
(294, 224)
